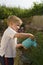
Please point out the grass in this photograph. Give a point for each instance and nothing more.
(36, 54)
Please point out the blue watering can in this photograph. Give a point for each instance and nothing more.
(27, 43)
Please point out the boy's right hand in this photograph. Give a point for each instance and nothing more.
(32, 36)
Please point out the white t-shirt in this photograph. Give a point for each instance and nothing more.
(8, 43)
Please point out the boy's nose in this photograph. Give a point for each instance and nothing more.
(18, 27)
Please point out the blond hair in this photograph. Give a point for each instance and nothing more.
(14, 19)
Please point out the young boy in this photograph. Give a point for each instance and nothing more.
(9, 39)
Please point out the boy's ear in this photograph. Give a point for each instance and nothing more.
(11, 23)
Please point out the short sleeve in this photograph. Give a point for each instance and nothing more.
(11, 33)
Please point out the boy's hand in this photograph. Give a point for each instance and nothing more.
(19, 45)
(32, 36)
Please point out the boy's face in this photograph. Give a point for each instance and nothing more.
(16, 26)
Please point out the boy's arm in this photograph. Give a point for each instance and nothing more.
(24, 35)
(19, 45)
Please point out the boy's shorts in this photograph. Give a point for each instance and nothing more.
(9, 61)
(2, 61)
